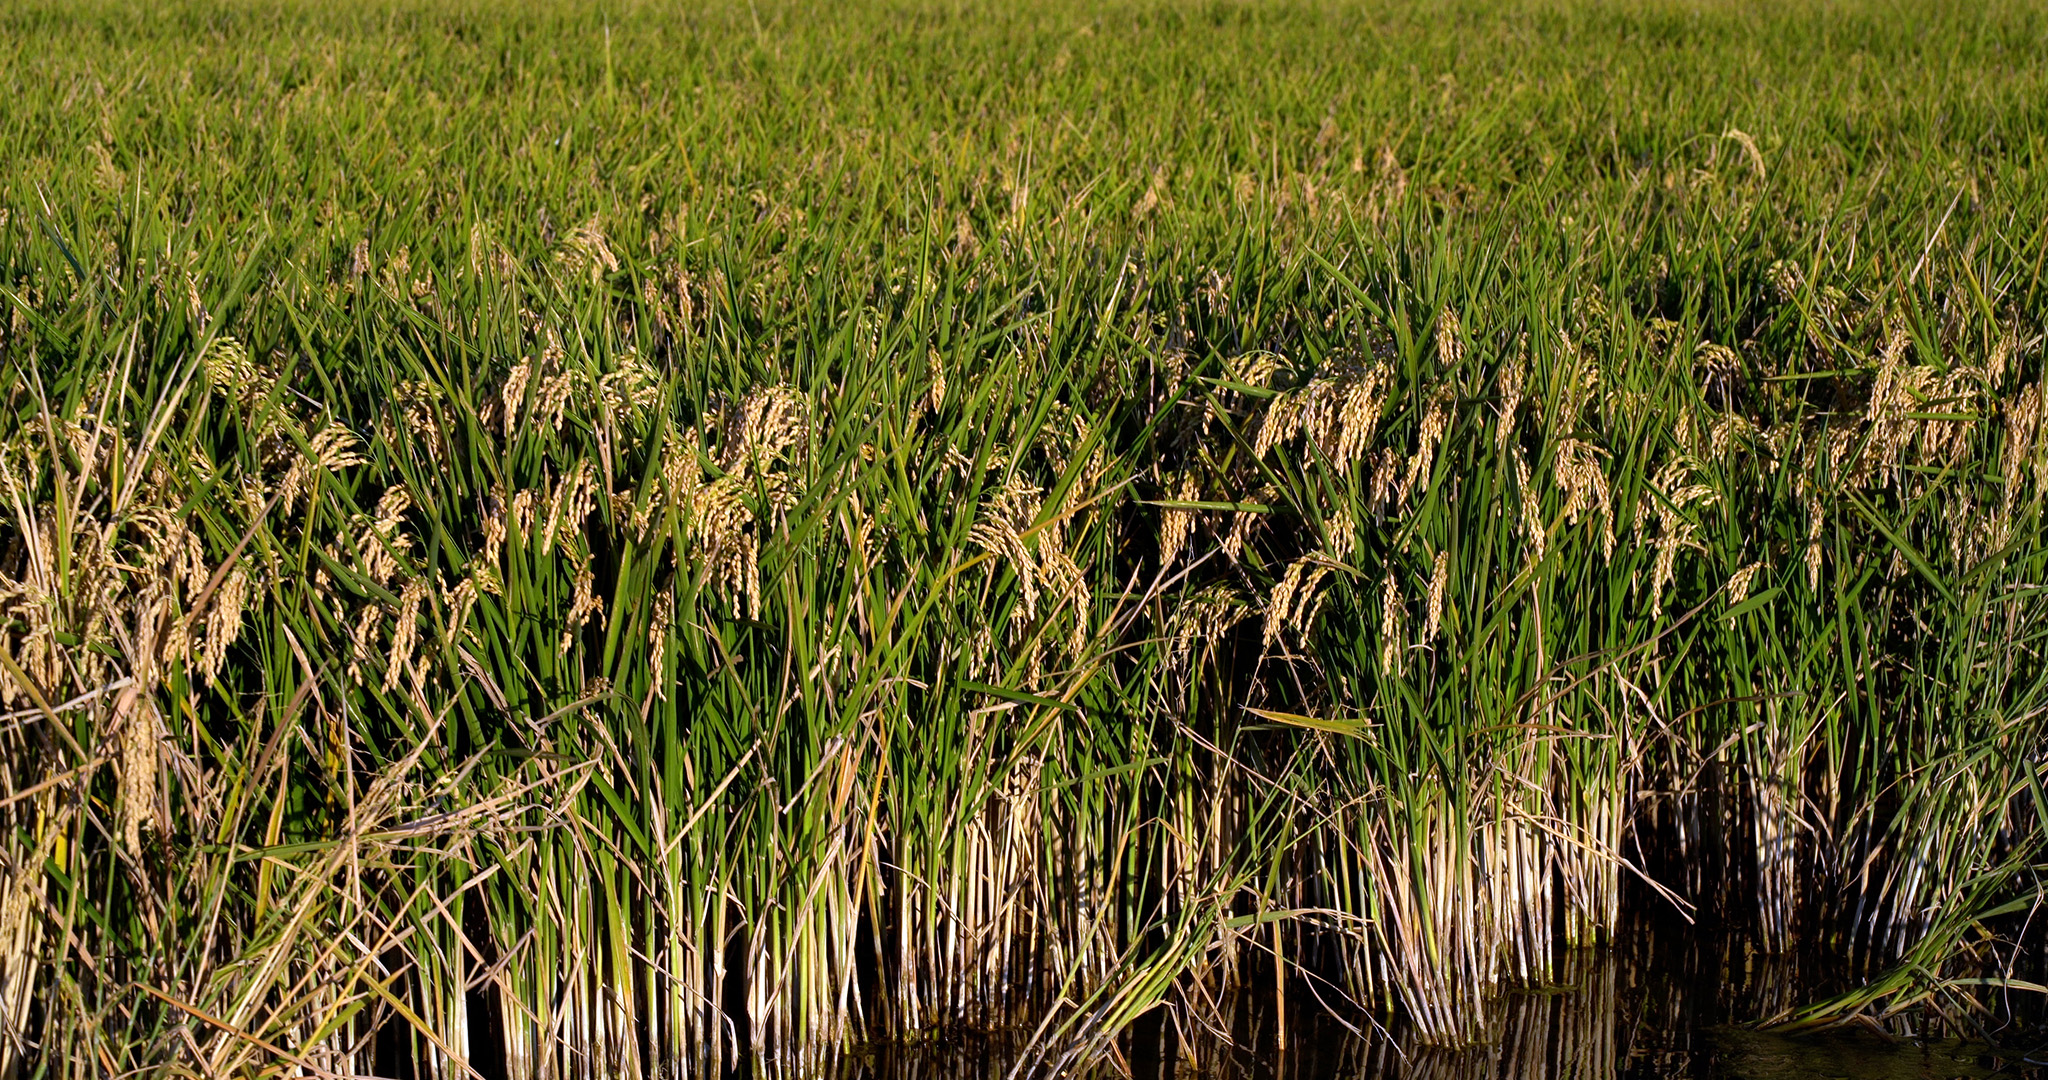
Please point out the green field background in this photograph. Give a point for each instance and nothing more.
(591, 539)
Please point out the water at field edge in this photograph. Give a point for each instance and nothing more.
(1653, 1007)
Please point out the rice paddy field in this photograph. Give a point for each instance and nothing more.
(628, 539)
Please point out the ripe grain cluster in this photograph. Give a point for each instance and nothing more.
(613, 540)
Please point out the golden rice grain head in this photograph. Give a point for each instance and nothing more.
(298, 481)
(589, 248)
(1436, 419)
(2000, 359)
(1215, 290)
(494, 526)
(1893, 355)
(630, 389)
(1450, 342)
(772, 420)
(1255, 369)
(1787, 279)
(85, 440)
(655, 300)
(551, 401)
(380, 555)
(1513, 375)
(1730, 430)
(1838, 444)
(1685, 431)
(360, 632)
(937, 367)
(1325, 415)
(461, 602)
(1891, 421)
(783, 492)
(1740, 582)
(525, 511)
(396, 272)
(1584, 484)
(334, 448)
(657, 642)
(1716, 368)
(998, 537)
(405, 637)
(16, 606)
(391, 508)
(228, 366)
(2022, 422)
(725, 537)
(40, 657)
(135, 712)
(419, 404)
(1814, 521)
(16, 925)
(1749, 150)
(1205, 617)
(1342, 541)
(1295, 599)
(1309, 600)
(1392, 613)
(1439, 583)
(1667, 544)
(1177, 525)
(1969, 390)
(1280, 422)
(584, 602)
(1693, 494)
(513, 393)
(1243, 188)
(1281, 601)
(1242, 523)
(750, 578)
(1069, 586)
(1531, 509)
(251, 497)
(1386, 479)
(560, 518)
(1364, 396)
(223, 623)
(1668, 478)
(174, 642)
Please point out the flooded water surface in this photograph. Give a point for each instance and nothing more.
(1654, 1007)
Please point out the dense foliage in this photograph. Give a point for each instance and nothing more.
(600, 539)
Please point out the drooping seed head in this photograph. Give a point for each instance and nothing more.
(1439, 583)
(1739, 582)
(1512, 376)
(1450, 343)
(1392, 612)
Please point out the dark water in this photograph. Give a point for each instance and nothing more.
(1651, 1008)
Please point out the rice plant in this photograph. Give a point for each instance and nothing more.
(573, 542)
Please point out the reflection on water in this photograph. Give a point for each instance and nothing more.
(1648, 1009)
(1735, 1053)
